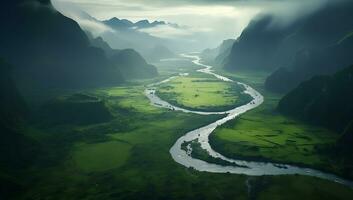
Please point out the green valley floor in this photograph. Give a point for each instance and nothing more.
(127, 157)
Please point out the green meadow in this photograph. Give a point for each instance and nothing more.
(202, 93)
(127, 157)
(266, 135)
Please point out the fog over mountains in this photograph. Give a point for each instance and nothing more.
(50, 50)
(318, 43)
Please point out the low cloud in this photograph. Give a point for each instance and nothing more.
(169, 31)
(85, 21)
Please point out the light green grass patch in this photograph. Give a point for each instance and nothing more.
(201, 93)
(101, 156)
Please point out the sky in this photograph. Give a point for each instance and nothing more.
(215, 20)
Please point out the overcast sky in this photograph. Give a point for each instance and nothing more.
(221, 19)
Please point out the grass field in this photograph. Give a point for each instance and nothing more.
(265, 134)
(128, 158)
(101, 156)
(202, 93)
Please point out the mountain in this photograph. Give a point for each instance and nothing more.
(312, 62)
(118, 24)
(327, 101)
(49, 49)
(129, 62)
(258, 45)
(127, 34)
(224, 50)
(132, 65)
(123, 24)
(322, 100)
(159, 52)
(316, 54)
(318, 43)
(218, 54)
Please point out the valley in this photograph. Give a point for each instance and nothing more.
(174, 99)
(132, 151)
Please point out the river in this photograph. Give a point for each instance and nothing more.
(251, 168)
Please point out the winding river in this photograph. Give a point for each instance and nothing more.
(251, 168)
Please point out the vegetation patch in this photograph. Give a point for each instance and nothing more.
(78, 108)
(203, 93)
(266, 135)
(101, 156)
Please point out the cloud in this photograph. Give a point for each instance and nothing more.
(223, 19)
(85, 21)
(169, 31)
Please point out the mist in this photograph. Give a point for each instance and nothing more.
(206, 23)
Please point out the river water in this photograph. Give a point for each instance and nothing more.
(251, 168)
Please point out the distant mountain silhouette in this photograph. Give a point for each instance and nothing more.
(218, 54)
(129, 62)
(132, 65)
(159, 52)
(123, 24)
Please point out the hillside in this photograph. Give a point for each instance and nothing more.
(218, 54)
(15, 148)
(50, 50)
(257, 46)
(323, 100)
(314, 44)
(132, 65)
(129, 62)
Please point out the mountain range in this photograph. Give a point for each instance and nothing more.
(50, 50)
(318, 43)
(123, 24)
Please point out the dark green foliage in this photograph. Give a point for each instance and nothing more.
(346, 139)
(312, 62)
(16, 149)
(323, 100)
(76, 109)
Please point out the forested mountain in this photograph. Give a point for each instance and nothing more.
(326, 101)
(319, 43)
(323, 100)
(132, 65)
(50, 50)
(129, 62)
(258, 45)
